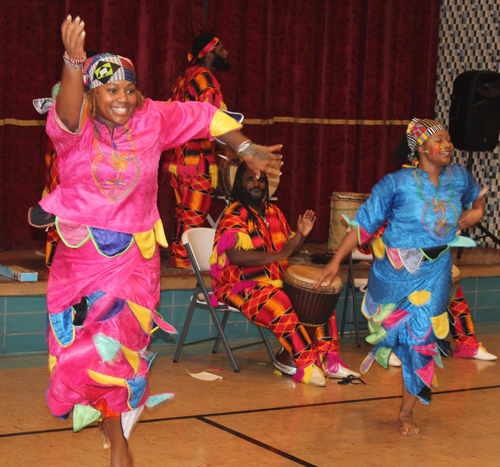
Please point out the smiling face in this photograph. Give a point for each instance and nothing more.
(116, 103)
(437, 150)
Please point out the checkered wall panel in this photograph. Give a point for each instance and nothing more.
(469, 39)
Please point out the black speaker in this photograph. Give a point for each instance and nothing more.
(475, 111)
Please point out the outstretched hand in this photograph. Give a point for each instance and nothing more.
(73, 36)
(328, 274)
(305, 223)
(264, 159)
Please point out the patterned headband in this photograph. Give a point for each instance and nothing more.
(208, 48)
(104, 68)
(418, 131)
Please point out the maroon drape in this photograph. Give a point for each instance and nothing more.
(366, 62)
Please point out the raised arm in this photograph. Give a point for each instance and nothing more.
(71, 91)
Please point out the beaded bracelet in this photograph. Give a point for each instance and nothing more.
(74, 63)
(244, 147)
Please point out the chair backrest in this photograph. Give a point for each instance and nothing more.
(201, 241)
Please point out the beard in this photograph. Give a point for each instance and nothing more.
(221, 63)
(253, 197)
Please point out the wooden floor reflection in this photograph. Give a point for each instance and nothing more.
(257, 418)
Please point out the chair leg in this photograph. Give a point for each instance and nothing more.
(223, 326)
(354, 303)
(344, 314)
(267, 344)
(223, 338)
(187, 323)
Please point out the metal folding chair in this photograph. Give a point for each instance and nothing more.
(351, 286)
(199, 246)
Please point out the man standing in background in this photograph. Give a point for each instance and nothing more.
(193, 173)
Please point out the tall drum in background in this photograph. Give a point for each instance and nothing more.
(342, 203)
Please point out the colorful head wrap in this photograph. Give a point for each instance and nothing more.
(418, 131)
(204, 51)
(104, 68)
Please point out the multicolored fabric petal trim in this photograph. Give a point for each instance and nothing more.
(143, 315)
(369, 308)
(110, 243)
(393, 255)
(411, 258)
(426, 373)
(62, 326)
(395, 318)
(157, 399)
(84, 415)
(378, 246)
(419, 297)
(72, 234)
(163, 325)
(107, 347)
(464, 242)
(367, 362)
(384, 313)
(382, 356)
(146, 241)
(441, 325)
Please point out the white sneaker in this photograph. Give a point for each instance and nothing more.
(342, 372)
(483, 354)
(394, 361)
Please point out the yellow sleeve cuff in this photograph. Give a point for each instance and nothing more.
(222, 123)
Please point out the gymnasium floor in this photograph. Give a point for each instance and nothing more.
(257, 418)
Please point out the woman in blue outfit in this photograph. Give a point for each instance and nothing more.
(405, 303)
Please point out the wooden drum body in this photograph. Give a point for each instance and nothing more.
(342, 203)
(313, 307)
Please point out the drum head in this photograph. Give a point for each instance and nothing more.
(306, 276)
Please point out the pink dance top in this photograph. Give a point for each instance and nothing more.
(108, 179)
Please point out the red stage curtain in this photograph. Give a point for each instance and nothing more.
(329, 79)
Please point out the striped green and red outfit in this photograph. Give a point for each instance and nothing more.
(193, 173)
(257, 291)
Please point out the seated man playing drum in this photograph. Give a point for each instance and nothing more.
(252, 244)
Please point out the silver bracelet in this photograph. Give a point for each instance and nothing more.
(244, 147)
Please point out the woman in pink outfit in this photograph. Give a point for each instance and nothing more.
(104, 284)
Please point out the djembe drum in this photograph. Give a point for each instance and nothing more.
(342, 203)
(314, 307)
(226, 172)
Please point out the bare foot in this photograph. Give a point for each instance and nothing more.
(406, 425)
(106, 443)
